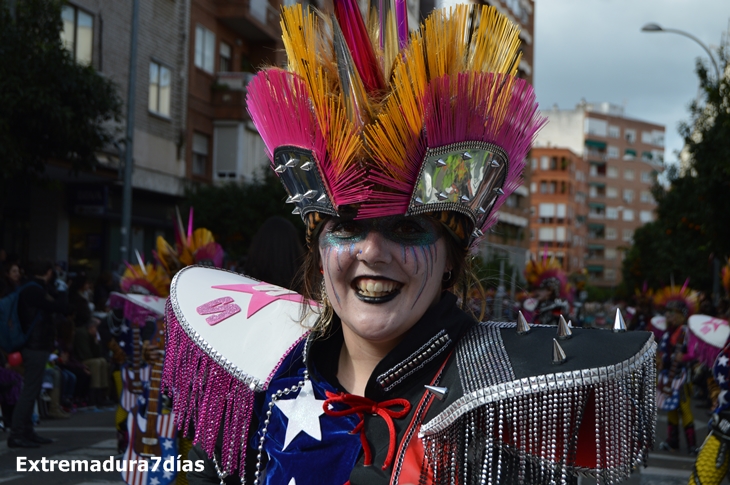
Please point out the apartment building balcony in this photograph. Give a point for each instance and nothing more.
(255, 20)
(229, 96)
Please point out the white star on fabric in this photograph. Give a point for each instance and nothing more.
(167, 474)
(122, 344)
(303, 414)
(154, 481)
(167, 444)
(721, 397)
(723, 360)
(720, 379)
(124, 328)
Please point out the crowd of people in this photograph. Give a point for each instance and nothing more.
(64, 364)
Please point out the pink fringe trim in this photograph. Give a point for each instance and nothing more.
(206, 396)
(701, 351)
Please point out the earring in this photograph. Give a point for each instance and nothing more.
(446, 277)
(321, 271)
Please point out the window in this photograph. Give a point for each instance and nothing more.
(628, 196)
(629, 174)
(592, 191)
(630, 135)
(546, 210)
(543, 187)
(611, 213)
(544, 163)
(533, 187)
(647, 177)
(612, 172)
(647, 137)
(612, 151)
(560, 213)
(580, 176)
(560, 234)
(546, 234)
(610, 253)
(534, 164)
(611, 192)
(628, 215)
(226, 64)
(78, 33)
(594, 126)
(658, 137)
(159, 96)
(614, 131)
(204, 49)
(553, 163)
(646, 197)
(609, 274)
(645, 216)
(200, 154)
(611, 233)
(628, 235)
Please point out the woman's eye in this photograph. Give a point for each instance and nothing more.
(408, 228)
(345, 229)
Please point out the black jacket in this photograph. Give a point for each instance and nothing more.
(36, 300)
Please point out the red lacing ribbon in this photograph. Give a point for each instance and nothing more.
(361, 405)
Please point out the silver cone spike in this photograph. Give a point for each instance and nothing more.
(307, 166)
(499, 190)
(558, 353)
(477, 233)
(481, 210)
(289, 200)
(564, 331)
(522, 326)
(322, 198)
(310, 194)
(494, 164)
(619, 324)
(440, 162)
(439, 392)
(293, 162)
(297, 210)
(418, 201)
(464, 199)
(442, 196)
(466, 156)
(280, 169)
(570, 323)
(297, 197)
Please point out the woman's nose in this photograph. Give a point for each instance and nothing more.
(374, 249)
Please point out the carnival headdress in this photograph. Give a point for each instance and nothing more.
(145, 279)
(191, 247)
(547, 273)
(726, 278)
(371, 121)
(680, 298)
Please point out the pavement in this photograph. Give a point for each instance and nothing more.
(91, 436)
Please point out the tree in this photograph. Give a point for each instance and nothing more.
(234, 212)
(51, 107)
(693, 213)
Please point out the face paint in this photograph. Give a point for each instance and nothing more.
(382, 274)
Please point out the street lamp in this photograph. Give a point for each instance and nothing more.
(652, 27)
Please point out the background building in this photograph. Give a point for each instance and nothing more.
(558, 206)
(624, 156)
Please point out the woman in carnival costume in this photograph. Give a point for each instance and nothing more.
(674, 388)
(396, 148)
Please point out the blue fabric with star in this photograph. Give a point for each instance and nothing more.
(293, 452)
(721, 373)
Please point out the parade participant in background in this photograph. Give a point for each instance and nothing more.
(674, 389)
(550, 290)
(397, 161)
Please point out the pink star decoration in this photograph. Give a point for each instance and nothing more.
(262, 294)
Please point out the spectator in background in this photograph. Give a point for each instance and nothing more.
(103, 288)
(10, 278)
(275, 254)
(36, 307)
(79, 298)
(88, 350)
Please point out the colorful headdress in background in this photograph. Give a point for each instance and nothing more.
(145, 279)
(726, 278)
(191, 247)
(371, 120)
(547, 273)
(676, 298)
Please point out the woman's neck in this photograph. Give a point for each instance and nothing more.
(358, 359)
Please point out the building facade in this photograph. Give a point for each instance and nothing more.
(559, 212)
(624, 156)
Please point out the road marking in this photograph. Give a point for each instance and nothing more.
(7, 479)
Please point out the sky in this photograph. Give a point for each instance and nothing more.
(594, 49)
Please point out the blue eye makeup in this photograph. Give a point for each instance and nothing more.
(406, 231)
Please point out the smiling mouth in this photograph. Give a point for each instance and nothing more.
(371, 290)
